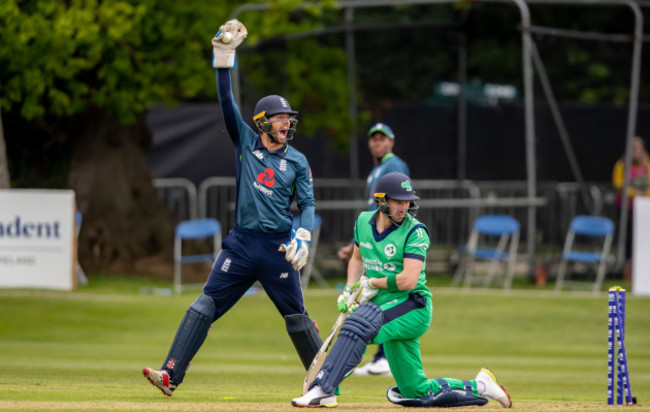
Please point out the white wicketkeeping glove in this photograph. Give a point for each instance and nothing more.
(224, 43)
(367, 290)
(297, 250)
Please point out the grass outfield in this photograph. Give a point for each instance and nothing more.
(84, 350)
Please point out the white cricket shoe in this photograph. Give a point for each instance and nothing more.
(160, 379)
(315, 398)
(379, 367)
(493, 390)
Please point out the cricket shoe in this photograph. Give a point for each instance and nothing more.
(160, 379)
(379, 367)
(315, 398)
(493, 390)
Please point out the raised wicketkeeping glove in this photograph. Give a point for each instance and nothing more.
(297, 250)
(367, 290)
(224, 43)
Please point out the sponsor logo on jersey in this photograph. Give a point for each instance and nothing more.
(390, 250)
(258, 154)
(377, 265)
(418, 245)
(263, 189)
(365, 244)
(284, 275)
(267, 177)
(265, 180)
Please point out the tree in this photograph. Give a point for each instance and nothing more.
(5, 181)
(84, 73)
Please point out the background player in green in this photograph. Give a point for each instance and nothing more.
(395, 309)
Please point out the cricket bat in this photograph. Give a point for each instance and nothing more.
(324, 350)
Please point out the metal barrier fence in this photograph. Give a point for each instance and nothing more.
(447, 207)
(179, 195)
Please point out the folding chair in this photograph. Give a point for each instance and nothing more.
(194, 230)
(485, 231)
(588, 241)
(309, 270)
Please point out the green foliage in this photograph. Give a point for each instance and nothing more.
(58, 58)
(316, 77)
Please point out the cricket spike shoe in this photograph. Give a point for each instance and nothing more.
(493, 390)
(315, 398)
(379, 367)
(160, 379)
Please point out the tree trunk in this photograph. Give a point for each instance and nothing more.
(5, 181)
(125, 228)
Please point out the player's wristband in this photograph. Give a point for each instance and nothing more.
(391, 282)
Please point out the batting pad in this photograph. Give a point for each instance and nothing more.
(190, 336)
(356, 333)
(305, 337)
(445, 398)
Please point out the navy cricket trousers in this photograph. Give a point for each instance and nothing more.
(246, 257)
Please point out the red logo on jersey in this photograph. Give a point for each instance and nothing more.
(267, 177)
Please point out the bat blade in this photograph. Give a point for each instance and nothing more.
(320, 357)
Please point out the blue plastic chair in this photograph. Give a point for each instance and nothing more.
(194, 230)
(485, 232)
(593, 228)
(309, 270)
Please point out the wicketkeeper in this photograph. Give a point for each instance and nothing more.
(394, 309)
(261, 246)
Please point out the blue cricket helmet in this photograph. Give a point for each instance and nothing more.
(395, 185)
(269, 106)
(272, 105)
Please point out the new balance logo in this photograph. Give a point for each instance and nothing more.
(258, 154)
(284, 275)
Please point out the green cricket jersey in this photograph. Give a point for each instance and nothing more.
(383, 254)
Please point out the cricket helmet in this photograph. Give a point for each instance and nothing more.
(396, 186)
(269, 106)
(383, 129)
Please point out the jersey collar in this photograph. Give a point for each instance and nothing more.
(386, 157)
(282, 152)
(383, 235)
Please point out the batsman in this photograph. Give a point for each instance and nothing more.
(394, 309)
